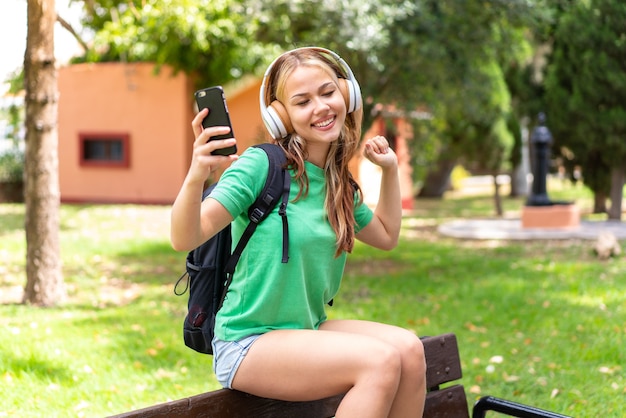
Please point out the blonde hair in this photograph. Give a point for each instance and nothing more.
(341, 188)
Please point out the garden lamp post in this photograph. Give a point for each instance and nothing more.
(540, 141)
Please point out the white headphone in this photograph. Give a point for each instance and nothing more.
(275, 115)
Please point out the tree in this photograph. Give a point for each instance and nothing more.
(44, 280)
(210, 40)
(464, 61)
(586, 92)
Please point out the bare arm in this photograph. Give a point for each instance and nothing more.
(194, 221)
(384, 229)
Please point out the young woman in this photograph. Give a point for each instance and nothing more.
(272, 336)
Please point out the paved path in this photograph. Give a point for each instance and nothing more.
(512, 229)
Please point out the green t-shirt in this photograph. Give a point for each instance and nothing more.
(266, 294)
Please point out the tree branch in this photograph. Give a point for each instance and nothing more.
(71, 30)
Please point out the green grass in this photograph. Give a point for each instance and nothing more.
(537, 322)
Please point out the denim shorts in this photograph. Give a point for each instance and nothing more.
(227, 356)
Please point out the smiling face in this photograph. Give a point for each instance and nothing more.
(315, 105)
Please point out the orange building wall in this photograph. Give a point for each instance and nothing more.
(155, 111)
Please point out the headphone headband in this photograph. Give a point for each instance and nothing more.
(275, 115)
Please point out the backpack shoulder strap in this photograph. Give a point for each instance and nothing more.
(274, 184)
(276, 189)
(277, 186)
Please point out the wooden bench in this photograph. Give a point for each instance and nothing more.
(443, 368)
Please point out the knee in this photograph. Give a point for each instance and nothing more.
(412, 355)
(386, 365)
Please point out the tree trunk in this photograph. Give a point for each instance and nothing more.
(438, 179)
(599, 202)
(497, 197)
(44, 280)
(618, 174)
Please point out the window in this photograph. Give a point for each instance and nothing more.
(104, 150)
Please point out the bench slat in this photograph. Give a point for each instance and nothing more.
(235, 404)
(446, 403)
(442, 359)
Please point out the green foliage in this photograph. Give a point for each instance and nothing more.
(11, 166)
(12, 115)
(459, 73)
(586, 88)
(16, 81)
(212, 40)
(12, 159)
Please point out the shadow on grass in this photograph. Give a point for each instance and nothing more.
(38, 368)
(143, 262)
(152, 263)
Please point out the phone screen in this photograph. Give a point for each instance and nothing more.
(213, 98)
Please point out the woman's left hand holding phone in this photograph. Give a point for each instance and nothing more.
(203, 162)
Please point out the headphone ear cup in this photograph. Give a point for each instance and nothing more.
(351, 94)
(277, 120)
(344, 88)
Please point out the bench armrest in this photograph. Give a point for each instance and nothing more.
(513, 409)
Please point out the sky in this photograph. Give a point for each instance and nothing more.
(13, 35)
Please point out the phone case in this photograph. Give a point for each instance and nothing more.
(213, 98)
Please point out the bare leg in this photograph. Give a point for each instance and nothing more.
(306, 365)
(411, 393)
(380, 368)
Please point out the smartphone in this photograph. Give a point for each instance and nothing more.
(213, 98)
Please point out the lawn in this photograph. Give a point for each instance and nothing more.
(539, 322)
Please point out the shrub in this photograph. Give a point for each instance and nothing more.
(11, 166)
